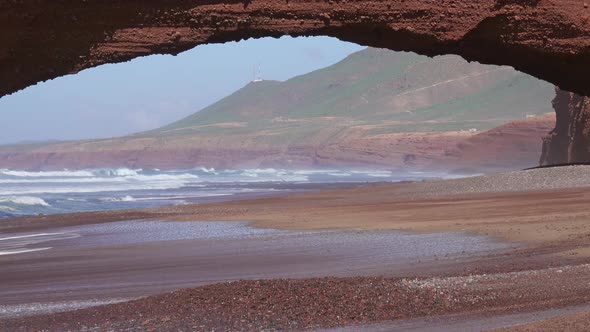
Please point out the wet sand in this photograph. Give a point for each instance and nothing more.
(543, 213)
(79, 266)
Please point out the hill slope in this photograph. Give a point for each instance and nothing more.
(374, 108)
(396, 91)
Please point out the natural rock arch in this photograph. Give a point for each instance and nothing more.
(44, 39)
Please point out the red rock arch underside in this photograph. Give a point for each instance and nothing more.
(550, 39)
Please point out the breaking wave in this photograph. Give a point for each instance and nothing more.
(16, 182)
(64, 173)
(24, 200)
(126, 198)
(70, 174)
(89, 181)
(64, 191)
(14, 205)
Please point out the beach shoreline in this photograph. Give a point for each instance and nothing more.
(525, 213)
(539, 211)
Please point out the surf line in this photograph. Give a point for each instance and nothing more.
(21, 251)
(29, 236)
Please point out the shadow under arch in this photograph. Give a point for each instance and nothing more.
(47, 39)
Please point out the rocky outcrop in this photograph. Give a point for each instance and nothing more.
(569, 142)
(515, 145)
(508, 147)
(350, 149)
(44, 39)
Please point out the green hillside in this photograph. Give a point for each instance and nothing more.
(387, 91)
(376, 108)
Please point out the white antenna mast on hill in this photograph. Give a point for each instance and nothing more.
(258, 76)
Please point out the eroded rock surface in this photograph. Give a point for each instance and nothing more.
(514, 145)
(569, 142)
(43, 39)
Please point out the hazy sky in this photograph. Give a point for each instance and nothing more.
(148, 92)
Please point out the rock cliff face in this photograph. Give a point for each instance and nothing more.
(353, 151)
(44, 39)
(569, 142)
(515, 145)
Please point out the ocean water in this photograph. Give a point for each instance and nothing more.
(50, 192)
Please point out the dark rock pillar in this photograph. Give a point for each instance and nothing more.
(569, 142)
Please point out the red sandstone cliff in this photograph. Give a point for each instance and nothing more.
(514, 145)
(511, 146)
(43, 39)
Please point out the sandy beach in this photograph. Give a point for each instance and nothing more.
(537, 220)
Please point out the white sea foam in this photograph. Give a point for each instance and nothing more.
(21, 251)
(4, 208)
(72, 174)
(121, 179)
(24, 192)
(379, 174)
(265, 171)
(116, 172)
(40, 237)
(127, 198)
(23, 243)
(339, 174)
(208, 170)
(90, 181)
(163, 177)
(271, 174)
(28, 309)
(64, 173)
(24, 200)
(61, 180)
(130, 177)
(96, 188)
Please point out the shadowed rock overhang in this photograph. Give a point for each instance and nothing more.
(44, 39)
